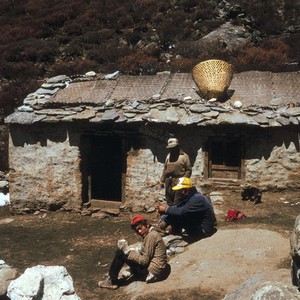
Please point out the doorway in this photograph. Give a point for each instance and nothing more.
(104, 168)
(224, 158)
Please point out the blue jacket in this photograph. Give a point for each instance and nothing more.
(193, 213)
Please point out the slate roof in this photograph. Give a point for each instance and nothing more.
(268, 100)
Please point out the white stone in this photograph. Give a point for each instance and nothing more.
(114, 75)
(43, 282)
(237, 104)
(90, 74)
(4, 199)
(212, 100)
(217, 200)
(26, 287)
(25, 108)
(3, 184)
(156, 96)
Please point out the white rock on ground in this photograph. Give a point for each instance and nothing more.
(43, 282)
(4, 199)
(7, 274)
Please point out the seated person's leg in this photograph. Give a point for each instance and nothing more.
(117, 264)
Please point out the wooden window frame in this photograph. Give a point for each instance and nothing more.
(221, 170)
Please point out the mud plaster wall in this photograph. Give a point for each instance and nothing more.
(45, 164)
(273, 158)
(145, 166)
(44, 169)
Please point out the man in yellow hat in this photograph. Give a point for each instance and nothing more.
(149, 264)
(194, 213)
(177, 164)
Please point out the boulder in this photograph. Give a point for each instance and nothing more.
(7, 274)
(44, 283)
(265, 286)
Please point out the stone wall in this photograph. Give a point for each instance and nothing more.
(273, 159)
(45, 164)
(44, 169)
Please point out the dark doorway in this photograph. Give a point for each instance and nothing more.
(103, 156)
(224, 158)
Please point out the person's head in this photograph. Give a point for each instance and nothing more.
(140, 225)
(183, 186)
(173, 144)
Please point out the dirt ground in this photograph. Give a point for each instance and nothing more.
(85, 245)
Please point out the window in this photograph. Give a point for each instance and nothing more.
(224, 158)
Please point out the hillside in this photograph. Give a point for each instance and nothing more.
(39, 39)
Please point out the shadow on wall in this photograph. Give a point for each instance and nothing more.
(257, 142)
(261, 143)
(21, 135)
(155, 138)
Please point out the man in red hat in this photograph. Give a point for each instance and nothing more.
(149, 264)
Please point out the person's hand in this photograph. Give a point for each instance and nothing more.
(123, 245)
(161, 208)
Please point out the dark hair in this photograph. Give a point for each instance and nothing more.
(142, 222)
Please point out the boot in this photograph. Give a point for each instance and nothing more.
(107, 284)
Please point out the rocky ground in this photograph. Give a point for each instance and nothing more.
(211, 268)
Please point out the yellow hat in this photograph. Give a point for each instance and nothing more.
(183, 183)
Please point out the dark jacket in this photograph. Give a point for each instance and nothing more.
(194, 213)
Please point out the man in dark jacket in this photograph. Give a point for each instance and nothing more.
(194, 213)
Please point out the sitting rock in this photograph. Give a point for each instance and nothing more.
(264, 286)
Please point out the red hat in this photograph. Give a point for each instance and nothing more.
(136, 219)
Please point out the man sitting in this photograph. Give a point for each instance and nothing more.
(194, 213)
(149, 264)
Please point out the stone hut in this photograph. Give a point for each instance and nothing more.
(101, 139)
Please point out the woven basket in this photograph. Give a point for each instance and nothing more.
(213, 77)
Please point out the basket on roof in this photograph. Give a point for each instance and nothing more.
(213, 77)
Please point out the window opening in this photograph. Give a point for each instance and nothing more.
(224, 158)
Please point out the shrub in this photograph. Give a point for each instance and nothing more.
(266, 13)
(107, 52)
(137, 64)
(69, 68)
(34, 50)
(20, 70)
(182, 65)
(14, 92)
(271, 55)
(293, 42)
